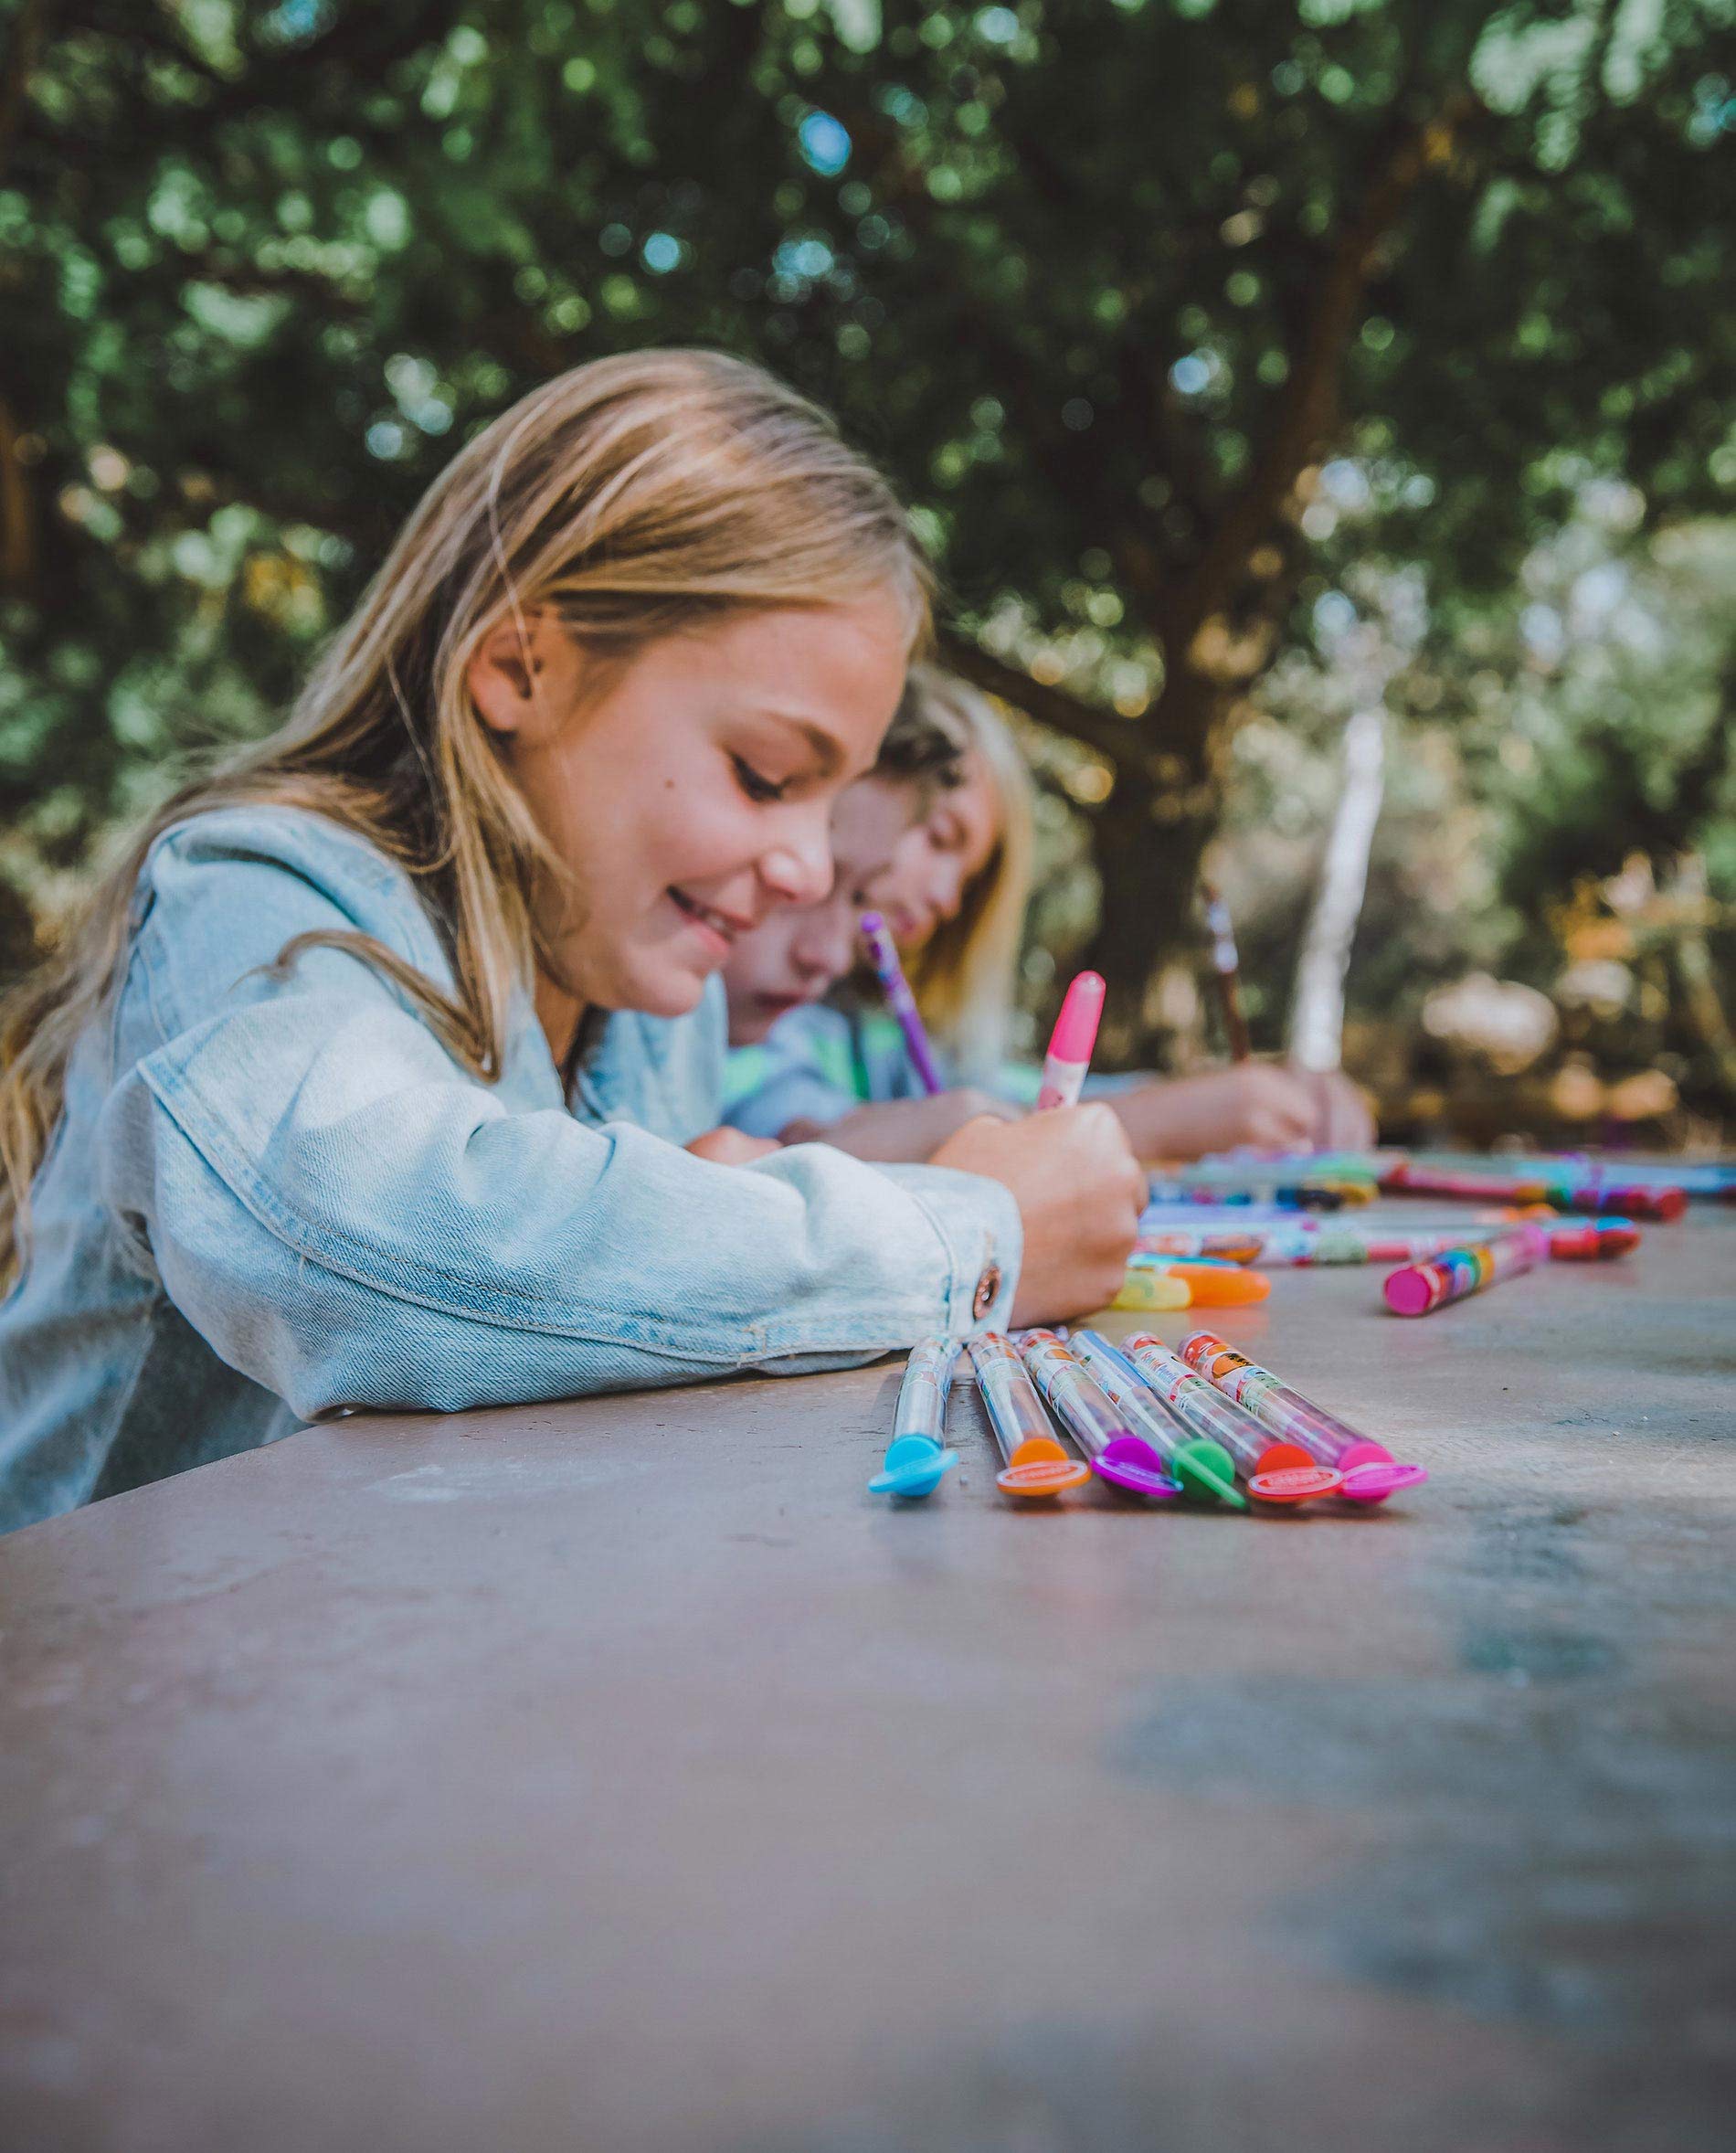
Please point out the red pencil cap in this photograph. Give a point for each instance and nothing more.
(1287, 1474)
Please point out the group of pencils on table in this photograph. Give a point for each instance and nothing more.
(1177, 1267)
(1272, 1212)
(1206, 1424)
(1172, 1269)
(1209, 1243)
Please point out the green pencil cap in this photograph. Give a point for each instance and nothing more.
(1206, 1471)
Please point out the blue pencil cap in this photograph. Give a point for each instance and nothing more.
(913, 1466)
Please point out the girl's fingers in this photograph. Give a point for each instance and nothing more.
(729, 1147)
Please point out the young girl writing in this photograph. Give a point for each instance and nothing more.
(357, 1085)
(954, 895)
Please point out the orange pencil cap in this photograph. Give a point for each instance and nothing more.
(1218, 1288)
(1040, 1466)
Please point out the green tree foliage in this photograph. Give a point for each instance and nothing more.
(1108, 283)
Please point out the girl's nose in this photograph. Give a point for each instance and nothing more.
(827, 941)
(944, 888)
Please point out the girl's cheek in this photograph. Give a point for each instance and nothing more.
(704, 814)
(728, 834)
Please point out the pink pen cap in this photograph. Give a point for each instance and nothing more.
(1070, 1044)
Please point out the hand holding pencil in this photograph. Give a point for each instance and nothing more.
(1079, 1189)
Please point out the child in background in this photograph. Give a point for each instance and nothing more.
(954, 897)
(800, 952)
(364, 1080)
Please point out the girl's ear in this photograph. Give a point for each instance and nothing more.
(517, 672)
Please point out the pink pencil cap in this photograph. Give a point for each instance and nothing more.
(1414, 1291)
(1076, 1031)
(1371, 1473)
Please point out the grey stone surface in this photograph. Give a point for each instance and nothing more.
(623, 1776)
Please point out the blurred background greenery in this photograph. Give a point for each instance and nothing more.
(1314, 405)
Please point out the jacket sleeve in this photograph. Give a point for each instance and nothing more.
(350, 1219)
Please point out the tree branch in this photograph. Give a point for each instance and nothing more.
(1308, 410)
(21, 58)
(17, 525)
(1055, 707)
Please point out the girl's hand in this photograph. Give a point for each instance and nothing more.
(729, 1147)
(907, 1129)
(1079, 1192)
(1255, 1103)
(1342, 1118)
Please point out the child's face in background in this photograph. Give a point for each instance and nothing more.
(937, 860)
(693, 793)
(803, 950)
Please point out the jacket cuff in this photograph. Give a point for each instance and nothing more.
(982, 1237)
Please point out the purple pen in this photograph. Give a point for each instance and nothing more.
(884, 957)
(1078, 1402)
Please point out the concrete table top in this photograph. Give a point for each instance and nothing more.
(621, 1775)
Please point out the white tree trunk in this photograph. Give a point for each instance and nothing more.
(1317, 1023)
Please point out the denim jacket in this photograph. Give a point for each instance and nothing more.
(276, 1197)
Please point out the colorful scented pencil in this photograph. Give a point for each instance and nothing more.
(1068, 1060)
(1117, 1454)
(1420, 1289)
(1356, 1247)
(1370, 1471)
(1275, 1472)
(1591, 1194)
(1032, 1463)
(916, 1459)
(1229, 1244)
(1594, 1243)
(1210, 1283)
(884, 957)
(1203, 1470)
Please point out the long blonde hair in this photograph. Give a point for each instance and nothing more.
(964, 975)
(633, 497)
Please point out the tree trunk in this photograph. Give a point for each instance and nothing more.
(1148, 872)
(1149, 841)
(1316, 1026)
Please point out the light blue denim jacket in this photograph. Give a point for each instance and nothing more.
(272, 1198)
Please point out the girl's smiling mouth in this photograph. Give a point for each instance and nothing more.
(721, 927)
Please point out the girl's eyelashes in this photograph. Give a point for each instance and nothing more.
(761, 789)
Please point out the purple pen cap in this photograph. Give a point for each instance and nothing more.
(1129, 1462)
(1371, 1473)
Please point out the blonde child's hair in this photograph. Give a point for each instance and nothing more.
(633, 497)
(964, 974)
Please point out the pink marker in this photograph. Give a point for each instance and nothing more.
(1070, 1045)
